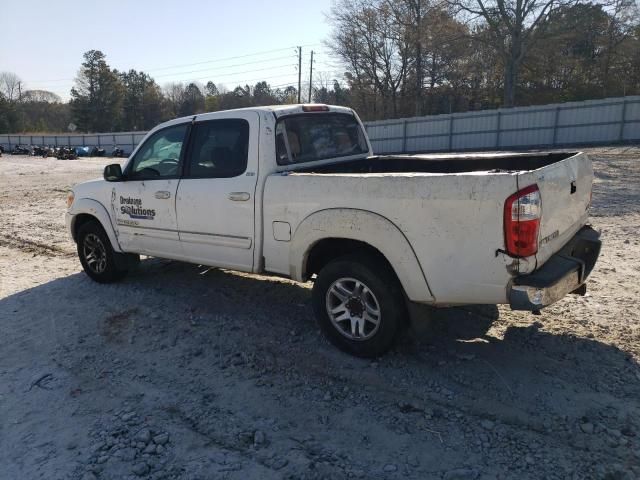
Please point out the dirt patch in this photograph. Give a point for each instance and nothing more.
(115, 326)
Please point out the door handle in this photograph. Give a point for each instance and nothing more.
(239, 196)
(163, 195)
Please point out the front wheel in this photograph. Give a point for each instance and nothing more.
(359, 305)
(98, 259)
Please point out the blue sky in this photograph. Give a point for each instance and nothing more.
(229, 42)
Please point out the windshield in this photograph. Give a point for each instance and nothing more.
(318, 136)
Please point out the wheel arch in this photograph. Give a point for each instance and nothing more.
(85, 210)
(328, 234)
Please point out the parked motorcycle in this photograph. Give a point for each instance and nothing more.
(38, 151)
(48, 151)
(98, 152)
(118, 152)
(65, 153)
(18, 150)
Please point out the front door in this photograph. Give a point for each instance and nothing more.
(215, 203)
(144, 203)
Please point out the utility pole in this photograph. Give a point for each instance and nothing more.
(311, 77)
(299, 72)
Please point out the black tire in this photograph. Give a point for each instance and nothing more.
(104, 266)
(381, 289)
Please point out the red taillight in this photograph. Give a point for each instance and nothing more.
(315, 108)
(522, 212)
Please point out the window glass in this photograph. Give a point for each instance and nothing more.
(160, 154)
(318, 136)
(220, 149)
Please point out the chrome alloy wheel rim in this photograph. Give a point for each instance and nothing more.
(353, 309)
(94, 253)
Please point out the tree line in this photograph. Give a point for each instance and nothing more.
(394, 58)
(419, 57)
(107, 100)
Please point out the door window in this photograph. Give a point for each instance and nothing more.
(219, 149)
(159, 157)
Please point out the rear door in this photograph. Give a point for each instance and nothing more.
(565, 191)
(216, 198)
(143, 205)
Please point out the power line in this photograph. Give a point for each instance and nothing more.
(223, 59)
(188, 64)
(252, 80)
(225, 66)
(208, 77)
(63, 89)
(208, 69)
(233, 73)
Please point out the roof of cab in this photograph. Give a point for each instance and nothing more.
(277, 110)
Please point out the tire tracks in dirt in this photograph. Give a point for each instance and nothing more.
(32, 246)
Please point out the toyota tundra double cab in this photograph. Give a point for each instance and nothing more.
(296, 190)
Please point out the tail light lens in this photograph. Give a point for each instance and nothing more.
(522, 212)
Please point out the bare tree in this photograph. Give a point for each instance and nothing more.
(411, 15)
(622, 19)
(174, 93)
(10, 86)
(368, 40)
(43, 96)
(515, 26)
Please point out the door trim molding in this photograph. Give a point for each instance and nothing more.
(201, 237)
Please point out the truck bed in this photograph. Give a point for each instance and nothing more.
(449, 208)
(452, 163)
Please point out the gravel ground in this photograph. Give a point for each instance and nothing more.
(186, 372)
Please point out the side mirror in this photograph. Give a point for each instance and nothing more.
(113, 173)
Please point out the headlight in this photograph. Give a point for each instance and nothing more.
(70, 198)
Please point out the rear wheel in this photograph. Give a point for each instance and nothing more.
(359, 305)
(96, 254)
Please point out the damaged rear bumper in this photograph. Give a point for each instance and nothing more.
(565, 272)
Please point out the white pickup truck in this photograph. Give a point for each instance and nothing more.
(296, 190)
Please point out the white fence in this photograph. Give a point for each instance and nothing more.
(125, 140)
(593, 122)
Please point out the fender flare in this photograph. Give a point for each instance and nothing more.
(94, 208)
(367, 227)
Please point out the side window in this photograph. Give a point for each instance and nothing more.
(219, 149)
(160, 155)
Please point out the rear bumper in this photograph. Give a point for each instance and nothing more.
(565, 272)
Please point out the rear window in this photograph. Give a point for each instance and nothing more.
(318, 136)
